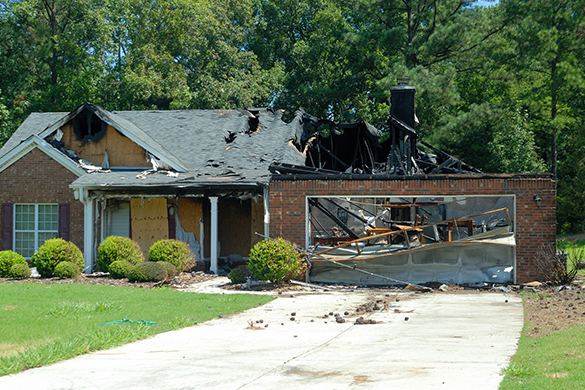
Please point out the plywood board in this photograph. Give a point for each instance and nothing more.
(257, 224)
(190, 213)
(234, 223)
(122, 152)
(149, 219)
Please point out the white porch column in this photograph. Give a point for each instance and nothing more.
(88, 214)
(213, 239)
(266, 213)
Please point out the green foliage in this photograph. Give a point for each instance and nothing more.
(274, 260)
(116, 248)
(8, 259)
(53, 252)
(19, 271)
(119, 269)
(171, 269)
(148, 271)
(67, 270)
(240, 274)
(175, 252)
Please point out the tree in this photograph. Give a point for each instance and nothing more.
(548, 55)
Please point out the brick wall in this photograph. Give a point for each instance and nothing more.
(37, 178)
(534, 225)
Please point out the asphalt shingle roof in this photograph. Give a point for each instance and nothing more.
(216, 146)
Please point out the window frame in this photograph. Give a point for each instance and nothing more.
(36, 232)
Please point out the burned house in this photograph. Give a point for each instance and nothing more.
(200, 176)
(371, 206)
(378, 208)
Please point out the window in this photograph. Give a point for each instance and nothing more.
(33, 225)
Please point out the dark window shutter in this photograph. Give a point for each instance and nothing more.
(7, 220)
(172, 229)
(64, 221)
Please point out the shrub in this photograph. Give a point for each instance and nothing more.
(19, 271)
(119, 269)
(116, 248)
(67, 270)
(239, 274)
(148, 271)
(7, 260)
(171, 269)
(54, 251)
(274, 260)
(175, 252)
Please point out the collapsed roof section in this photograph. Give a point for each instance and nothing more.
(191, 150)
(331, 148)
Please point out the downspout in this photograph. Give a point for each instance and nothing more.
(88, 223)
(213, 238)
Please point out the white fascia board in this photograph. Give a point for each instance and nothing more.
(176, 165)
(32, 142)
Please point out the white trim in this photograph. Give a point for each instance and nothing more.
(265, 196)
(149, 148)
(214, 227)
(35, 141)
(88, 234)
(36, 230)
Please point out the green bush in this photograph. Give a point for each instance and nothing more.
(148, 271)
(171, 269)
(274, 260)
(7, 260)
(239, 274)
(19, 271)
(53, 252)
(175, 252)
(119, 269)
(115, 248)
(67, 270)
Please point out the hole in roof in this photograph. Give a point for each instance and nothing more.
(87, 126)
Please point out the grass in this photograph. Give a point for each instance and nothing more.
(553, 361)
(575, 252)
(46, 323)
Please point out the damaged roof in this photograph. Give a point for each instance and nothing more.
(216, 147)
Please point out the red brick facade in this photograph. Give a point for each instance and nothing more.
(534, 225)
(37, 178)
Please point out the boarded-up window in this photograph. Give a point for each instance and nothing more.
(149, 221)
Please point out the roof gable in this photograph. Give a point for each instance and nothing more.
(35, 141)
(125, 127)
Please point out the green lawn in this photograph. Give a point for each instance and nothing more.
(46, 323)
(553, 361)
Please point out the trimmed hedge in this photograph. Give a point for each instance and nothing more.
(175, 252)
(149, 271)
(67, 270)
(53, 252)
(116, 248)
(7, 260)
(171, 269)
(274, 260)
(19, 271)
(119, 269)
(240, 274)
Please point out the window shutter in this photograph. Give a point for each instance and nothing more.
(7, 221)
(64, 221)
(172, 228)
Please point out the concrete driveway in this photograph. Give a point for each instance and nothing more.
(420, 341)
